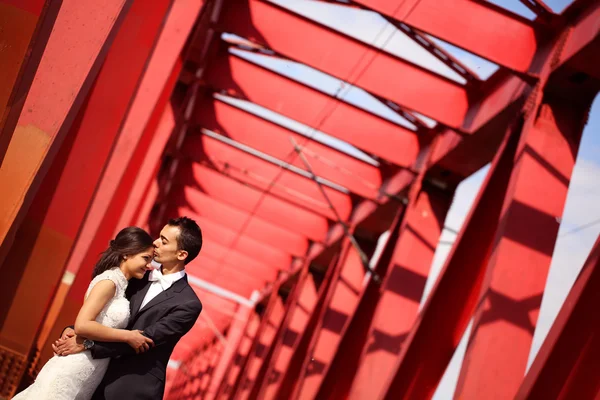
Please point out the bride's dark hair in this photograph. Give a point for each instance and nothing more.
(129, 241)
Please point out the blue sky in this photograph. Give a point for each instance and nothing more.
(582, 207)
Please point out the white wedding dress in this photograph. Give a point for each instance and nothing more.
(76, 376)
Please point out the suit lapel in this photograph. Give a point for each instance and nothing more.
(162, 296)
(138, 297)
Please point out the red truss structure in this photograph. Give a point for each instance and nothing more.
(246, 115)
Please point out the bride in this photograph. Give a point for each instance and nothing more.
(104, 314)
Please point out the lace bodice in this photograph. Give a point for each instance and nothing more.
(115, 313)
(75, 377)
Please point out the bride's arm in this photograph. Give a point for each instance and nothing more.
(86, 325)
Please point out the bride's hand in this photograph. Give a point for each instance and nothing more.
(138, 341)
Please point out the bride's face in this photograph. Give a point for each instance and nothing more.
(137, 265)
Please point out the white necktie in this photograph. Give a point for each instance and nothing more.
(157, 276)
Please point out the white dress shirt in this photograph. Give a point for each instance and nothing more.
(162, 283)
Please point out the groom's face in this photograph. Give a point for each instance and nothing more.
(166, 249)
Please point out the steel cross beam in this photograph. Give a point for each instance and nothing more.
(263, 175)
(376, 71)
(362, 255)
(271, 139)
(456, 21)
(368, 132)
(243, 197)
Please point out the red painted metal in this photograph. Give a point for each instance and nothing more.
(219, 233)
(566, 364)
(178, 26)
(439, 327)
(235, 219)
(229, 386)
(71, 61)
(235, 334)
(119, 176)
(347, 59)
(401, 290)
(217, 253)
(248, 168)
(277, 141)
(506, 316)
(515, 40)
(306, 320)
(136, 136)
(298, 314)
(341, 301)
(56, 214)
(264, 206)
(294, 100)
(258, 364)
(26, 28)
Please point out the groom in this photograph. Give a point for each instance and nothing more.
(163, 306)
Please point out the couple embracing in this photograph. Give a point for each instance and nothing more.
(132, 318)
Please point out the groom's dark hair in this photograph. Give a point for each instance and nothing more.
(190, 236)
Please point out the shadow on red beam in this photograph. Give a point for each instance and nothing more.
(306, 315)
(229, 386)
(251, 200)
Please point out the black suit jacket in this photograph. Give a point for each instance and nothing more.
(165, 319)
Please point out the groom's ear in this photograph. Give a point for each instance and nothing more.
(182, 255)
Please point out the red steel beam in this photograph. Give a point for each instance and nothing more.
(566, 366)
(246, 244)
(273, 309)
(235, 334)
(298, 315)
(56, 215)
(137, 133)
(178, 27)
(70, 63)
(401, 290)
(506, 316)
(274, 140)
(248, 168)
(340, 375)
(229, 216)
(366, 131)
(245, 198)
(235, 259)
(437, 331)
(515, 40)
(229, 386)
(259, 364)
(348, 59)
(340, 303)
(306, 319)
(26, 28)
